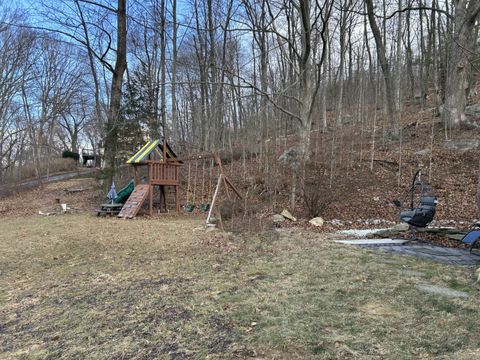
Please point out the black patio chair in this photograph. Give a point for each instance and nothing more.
(472, 239)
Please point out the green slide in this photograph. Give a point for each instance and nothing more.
(123, 194)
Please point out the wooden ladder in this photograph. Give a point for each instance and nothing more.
(135, 201)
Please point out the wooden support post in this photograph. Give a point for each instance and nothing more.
(163, 199)
(233, 187)
(135, 175)
(160, 200)
(214, 198)
(177, 199)
(224, 177)
(150, 189)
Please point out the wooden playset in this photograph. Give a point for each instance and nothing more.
(163, 170)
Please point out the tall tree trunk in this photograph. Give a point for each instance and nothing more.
(91, 61)
(478, 189)
(163, 70)
(381, 53)
(423, 74)
(435, 58)
(174, 72)
(398, 65)
(409, 55)
(111, 138)
(306, 84)
(459, 61)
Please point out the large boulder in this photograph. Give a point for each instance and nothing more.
(465, 144)
(290, 158)
(317, 221)
(393, 231)
(473, 110)
(277, 218)
(423, 152)
(287, 215)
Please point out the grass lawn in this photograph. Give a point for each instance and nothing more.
(76, 287)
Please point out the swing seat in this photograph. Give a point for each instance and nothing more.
(189, 207)
(204, 207)
(422, 215)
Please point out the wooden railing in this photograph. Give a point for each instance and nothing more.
(163, 174)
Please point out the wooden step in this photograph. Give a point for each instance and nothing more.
(135, 201)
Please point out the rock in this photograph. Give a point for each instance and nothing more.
(386, 233)
(336, 222)
(358, 232)
(277, 218)
(473, 110)
(457, 237)
(464, 145)
(287, 215)
(317, 221)
(210, 229)
(401, 227)
(290, 158)
(438, 290)
(392, 232)
(228, 235)
(423, 152)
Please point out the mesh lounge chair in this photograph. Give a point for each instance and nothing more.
(472, 238)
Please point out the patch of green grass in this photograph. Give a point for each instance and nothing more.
(79, 286)
(458, 284)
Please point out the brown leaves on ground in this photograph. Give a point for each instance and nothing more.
(44, 198)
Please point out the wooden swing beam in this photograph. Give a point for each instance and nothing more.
(222, 178)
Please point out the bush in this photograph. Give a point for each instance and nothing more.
(317, 196)
(71, 155)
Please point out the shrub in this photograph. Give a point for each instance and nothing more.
(71, 155)
(317, 196)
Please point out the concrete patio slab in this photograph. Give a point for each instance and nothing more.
(373, 242)
(454, 256)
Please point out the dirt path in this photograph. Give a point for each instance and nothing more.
(52, 178)
(44, 198)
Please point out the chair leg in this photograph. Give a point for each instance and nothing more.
(471, 248)
(413, 234)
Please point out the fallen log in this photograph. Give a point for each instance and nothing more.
(73, 191)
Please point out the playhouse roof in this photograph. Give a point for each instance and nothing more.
(147, 149)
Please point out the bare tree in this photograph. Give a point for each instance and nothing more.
(15, 51)
(387, 76)
(460, 56)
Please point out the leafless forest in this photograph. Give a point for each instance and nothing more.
(336, 79)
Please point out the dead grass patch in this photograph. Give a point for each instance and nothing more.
(43, 198)
(78, 286)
